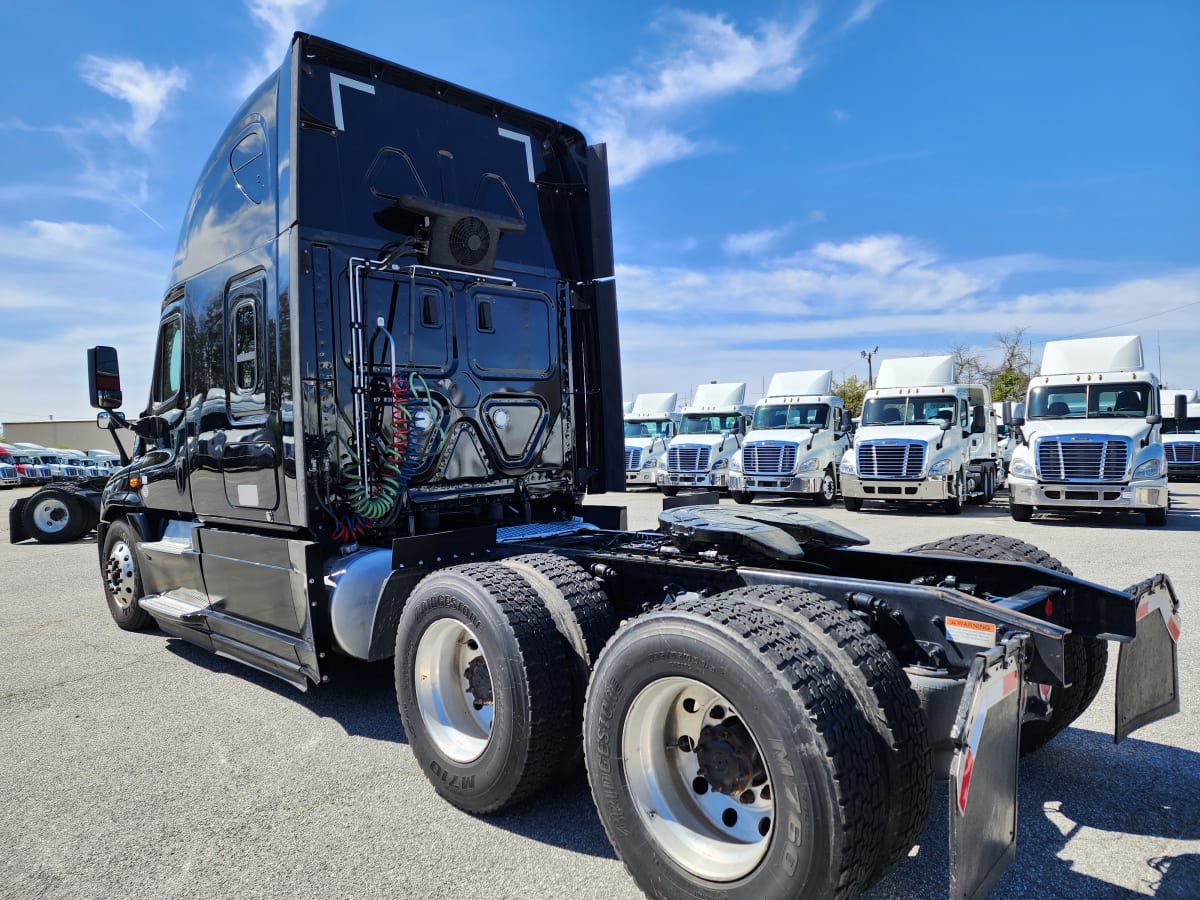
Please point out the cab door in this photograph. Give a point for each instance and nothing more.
(164, 467)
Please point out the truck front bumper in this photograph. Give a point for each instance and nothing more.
(809, 483)
(1151, 494)
(642, 478)
(928, 490)
(693, 479)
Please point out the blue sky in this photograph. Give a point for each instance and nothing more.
(793, 183)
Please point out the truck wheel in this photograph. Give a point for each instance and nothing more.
(54, 516)
(1156, 518)
(1020, 512)
(668, 490)
(1085, 659)
(584, 618)
(953, 506)
(828, 490)
(122, 578)
(885, 698)
(742, 496)
(854, 504)
(727, 758)
(480, 685)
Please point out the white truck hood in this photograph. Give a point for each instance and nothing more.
(1134, 429)
(711, 441)
(641, 443)
(782, 436)
(927, 434)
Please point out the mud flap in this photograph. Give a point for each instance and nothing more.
(1148, 666)
(16, 524)
(983, 774)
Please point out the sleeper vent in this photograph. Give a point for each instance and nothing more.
(470, 240)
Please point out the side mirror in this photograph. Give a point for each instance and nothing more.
(1018, 421)
(1006, 413)
(1180, 407)
(104, 378)
(946, 426)
(978, 420)
(110, 420)
(1154, 420)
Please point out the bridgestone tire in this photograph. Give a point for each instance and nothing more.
(746, 497)
(809, 744)
(525, 700)
(1085, 659)
(885, 698)
(669, 490)
(853, 504)
(122, 577)
(584, 619)
(55, 516)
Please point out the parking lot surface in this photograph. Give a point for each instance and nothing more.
(133, 764)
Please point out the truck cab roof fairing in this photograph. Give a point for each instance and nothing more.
(385, 153)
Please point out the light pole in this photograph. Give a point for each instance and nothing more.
(867, 354)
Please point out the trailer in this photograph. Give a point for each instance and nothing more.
(387, 374)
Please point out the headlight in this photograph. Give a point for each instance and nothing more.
(941, 468)
(735, 462)
(1152, 468)
(809, 465)
(1021, 468)
(847, 466)
(650, 464)
(720, 464)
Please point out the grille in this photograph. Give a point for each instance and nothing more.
(1182, 452)
(1082, 460)
(769, 458)
(633, 459)
(891, 460)
(687, 459)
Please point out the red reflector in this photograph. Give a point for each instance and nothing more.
(1049, 607)
(964, 784)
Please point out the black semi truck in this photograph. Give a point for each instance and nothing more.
(387, 374)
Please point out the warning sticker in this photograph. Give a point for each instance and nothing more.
(968, 631)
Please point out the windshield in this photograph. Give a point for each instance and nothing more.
(656, 428)
(713, 424)
(791, 415)
(915, 410)
(1181, 426)
(1090, 401)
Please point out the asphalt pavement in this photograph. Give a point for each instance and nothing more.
(133, 764)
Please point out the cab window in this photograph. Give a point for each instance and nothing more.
(168, 375)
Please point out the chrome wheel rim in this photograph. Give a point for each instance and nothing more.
(454, 690)
(121, 571)
(697, 779)
(827, 487)
(51, 515)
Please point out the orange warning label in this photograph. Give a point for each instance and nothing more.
(969, 631)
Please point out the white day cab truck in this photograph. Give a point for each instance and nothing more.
(923, 438)
(650, 424)
(710, 433)
(1006, 412)
(1181, 433)
(797, 436)
(1091, 438)
(393, 464)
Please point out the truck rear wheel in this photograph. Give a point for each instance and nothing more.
(122, 577)
(824, 497)
(55, 516)
(885, 698)
(480, 685)
(584, 618)
(727, 758)
(1085, 659)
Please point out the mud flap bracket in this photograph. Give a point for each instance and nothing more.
(1148, 666)
(983, 774)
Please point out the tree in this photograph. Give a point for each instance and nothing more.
(969, 364)
(852, 391)
(1009, 385)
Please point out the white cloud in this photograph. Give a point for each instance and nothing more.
(706, 58)
(146, 89)
(816, 216)
(754, 243)
(279, 19)
(862, 12)
(881, 253)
